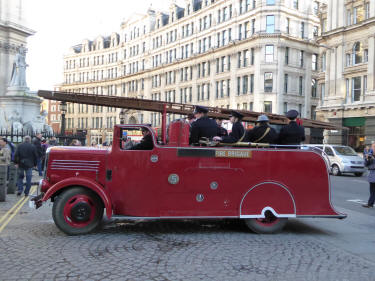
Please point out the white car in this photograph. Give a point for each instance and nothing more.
(342, 159)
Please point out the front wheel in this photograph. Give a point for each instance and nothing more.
(335, 170)
(268, 225)
(77, 211)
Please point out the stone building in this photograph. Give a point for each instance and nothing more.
(258, 55)
(346, 81)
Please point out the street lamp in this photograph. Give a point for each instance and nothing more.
(63, 109)
(122, 116)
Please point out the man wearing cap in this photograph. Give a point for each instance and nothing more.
(202, 127)
(262, 133)
(221, 130)
(238, 131)
(292, 134)
(146, 142)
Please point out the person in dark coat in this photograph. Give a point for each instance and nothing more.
(25, 158)
(238, 131)
(370, 164)
(146, 143)
(292, 134)
(202, 126)
(262, 133)
(221, 130)
(37, 142)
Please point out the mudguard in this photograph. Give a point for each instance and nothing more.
(267, 196)
(80, 181)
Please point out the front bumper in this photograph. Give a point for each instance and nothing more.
(353, 168)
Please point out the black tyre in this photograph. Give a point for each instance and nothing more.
(358, 174)
(77, 211)
(335, 170)
(269, 225)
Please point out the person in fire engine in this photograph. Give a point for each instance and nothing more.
(292, 134)
(202, 126)
(370, 164)
(26, 158)
(146, 143)
(262, 133)
(222, 132)
(190, 118)
(238, 131)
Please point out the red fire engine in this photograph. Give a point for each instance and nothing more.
(264, 186)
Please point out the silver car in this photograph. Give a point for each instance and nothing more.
(343, 159)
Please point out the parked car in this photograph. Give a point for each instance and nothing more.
(342, 159)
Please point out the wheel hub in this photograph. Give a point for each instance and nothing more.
(81, 212)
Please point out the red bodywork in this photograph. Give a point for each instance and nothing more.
(180, 181)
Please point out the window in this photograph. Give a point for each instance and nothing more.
(357, 53)
(364, 84)
(252, 56)
(295, 4)
(268, 106)
(269, 53)
(348, 18)
(365, 55)
(316, 8)
(285, 107)
(313, 88)
(324, 62)
(322, 92)
(268, 81)
(270, 2)
(253, 26)
(347, 84)
(313, 112)
(251, 83)
(356, 88)
(286, 83)
(300, 85)
(287, 25)
(287, 55)
(270, 24)
(301, 57)
(245, 82)
(314, 62)
(302, 30)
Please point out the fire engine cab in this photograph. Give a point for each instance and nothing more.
(264, 186)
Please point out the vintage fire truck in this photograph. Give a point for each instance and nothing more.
(264, 186)
(260, 184)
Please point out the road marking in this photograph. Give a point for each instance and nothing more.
(359, 201)
(15, 210)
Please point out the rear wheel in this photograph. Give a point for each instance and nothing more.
(77, 211)
(335, 170)
(268, 225)
(358, 174)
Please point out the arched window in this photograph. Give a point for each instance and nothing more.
(357, 53)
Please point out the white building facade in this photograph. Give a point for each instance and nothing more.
(347, 72)
(241, 54)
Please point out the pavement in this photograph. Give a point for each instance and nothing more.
(32, 248)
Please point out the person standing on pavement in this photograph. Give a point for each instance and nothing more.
(37, 142)
(26, 158)
(370, 164)
(292, 134)
(5, 152)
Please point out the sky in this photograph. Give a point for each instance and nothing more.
(60, 24)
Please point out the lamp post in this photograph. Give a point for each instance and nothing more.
(63, 109)
(122, 116)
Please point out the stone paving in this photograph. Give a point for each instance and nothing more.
(32, 248)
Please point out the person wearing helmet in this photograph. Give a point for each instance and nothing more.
(292, 134)
(262, 133)
(238, 131)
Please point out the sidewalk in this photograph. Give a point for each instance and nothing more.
(11, 199)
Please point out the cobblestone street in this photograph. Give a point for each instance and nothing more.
(32, 248)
